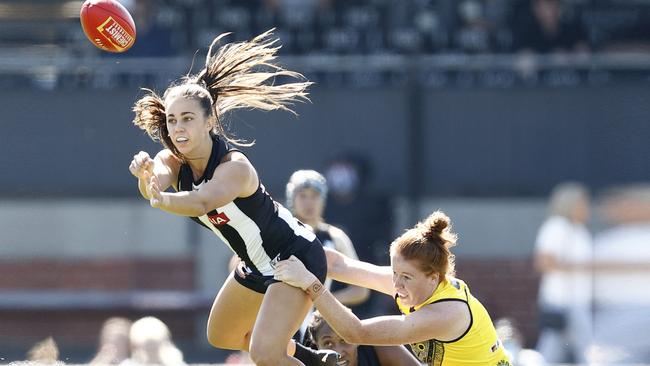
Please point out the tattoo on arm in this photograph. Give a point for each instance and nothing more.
(315, 290)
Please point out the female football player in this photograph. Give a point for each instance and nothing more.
(442, 321)
(218, 187)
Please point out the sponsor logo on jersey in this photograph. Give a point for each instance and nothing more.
(218, 218)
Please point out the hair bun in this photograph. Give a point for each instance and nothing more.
(434, 225)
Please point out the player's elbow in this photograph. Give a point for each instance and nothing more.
(202, 206)
(334, 262)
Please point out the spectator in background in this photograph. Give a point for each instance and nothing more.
(44, 352)
(365, 215)
(114, 344)
(151, 344)
(543, 26)
(513, 342)
(475, 30)
(306, 194)
(622, 260)
(322, 336)
(562, 253)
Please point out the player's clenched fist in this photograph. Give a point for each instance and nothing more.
(141, 164)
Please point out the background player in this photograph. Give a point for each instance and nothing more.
(323, 337)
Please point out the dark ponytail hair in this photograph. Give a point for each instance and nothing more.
(240, 75)
(429, 243)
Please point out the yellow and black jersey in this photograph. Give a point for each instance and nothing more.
(479, 345)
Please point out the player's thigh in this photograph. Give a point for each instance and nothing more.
(282, 311)
(233, 315)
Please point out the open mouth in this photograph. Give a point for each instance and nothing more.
(343, 362)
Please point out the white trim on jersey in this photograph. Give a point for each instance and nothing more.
(249, 232)
(298, 229)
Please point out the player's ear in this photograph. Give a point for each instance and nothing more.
(211, 122)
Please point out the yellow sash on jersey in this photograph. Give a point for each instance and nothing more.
(479, 345)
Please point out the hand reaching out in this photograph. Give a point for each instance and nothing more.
(293, 272)
(141, 164)
(153, 189)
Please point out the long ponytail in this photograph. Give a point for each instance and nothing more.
(238, 75)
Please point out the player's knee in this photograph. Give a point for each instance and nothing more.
(263, 355)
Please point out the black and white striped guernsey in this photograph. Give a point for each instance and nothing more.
(256, 228)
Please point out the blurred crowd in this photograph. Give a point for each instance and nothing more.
(401, 27)
(378, 28)
(593, 291)
(363, 26)
(146, 341)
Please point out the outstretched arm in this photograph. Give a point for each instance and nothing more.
(350, 295)
(164, 166)
(444, 320)
(231, 179)
(356, 272)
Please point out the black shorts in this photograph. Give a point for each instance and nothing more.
(311, 254)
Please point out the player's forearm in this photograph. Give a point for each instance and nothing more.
(340, 318)
(183, 204)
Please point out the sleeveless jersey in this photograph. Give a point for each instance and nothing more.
(256, 228)
(323, 234)
(479, 345)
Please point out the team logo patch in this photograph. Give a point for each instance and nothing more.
(430, 352)
(503, 363)
(115, 33)
(218, 218)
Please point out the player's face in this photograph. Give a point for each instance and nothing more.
(412, 285)
(328, 339)
(187, 124)
(308, 205)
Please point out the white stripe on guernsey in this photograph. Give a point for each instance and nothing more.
(204, 219)
(250, 234)
(298, 229)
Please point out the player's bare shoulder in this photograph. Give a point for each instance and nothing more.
(169, 160)
(237, 156)
(242, 169)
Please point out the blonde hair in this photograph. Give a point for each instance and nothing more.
(428, 243)
(236, 76)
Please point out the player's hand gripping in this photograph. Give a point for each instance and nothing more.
(141, 165)
(293, 272)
